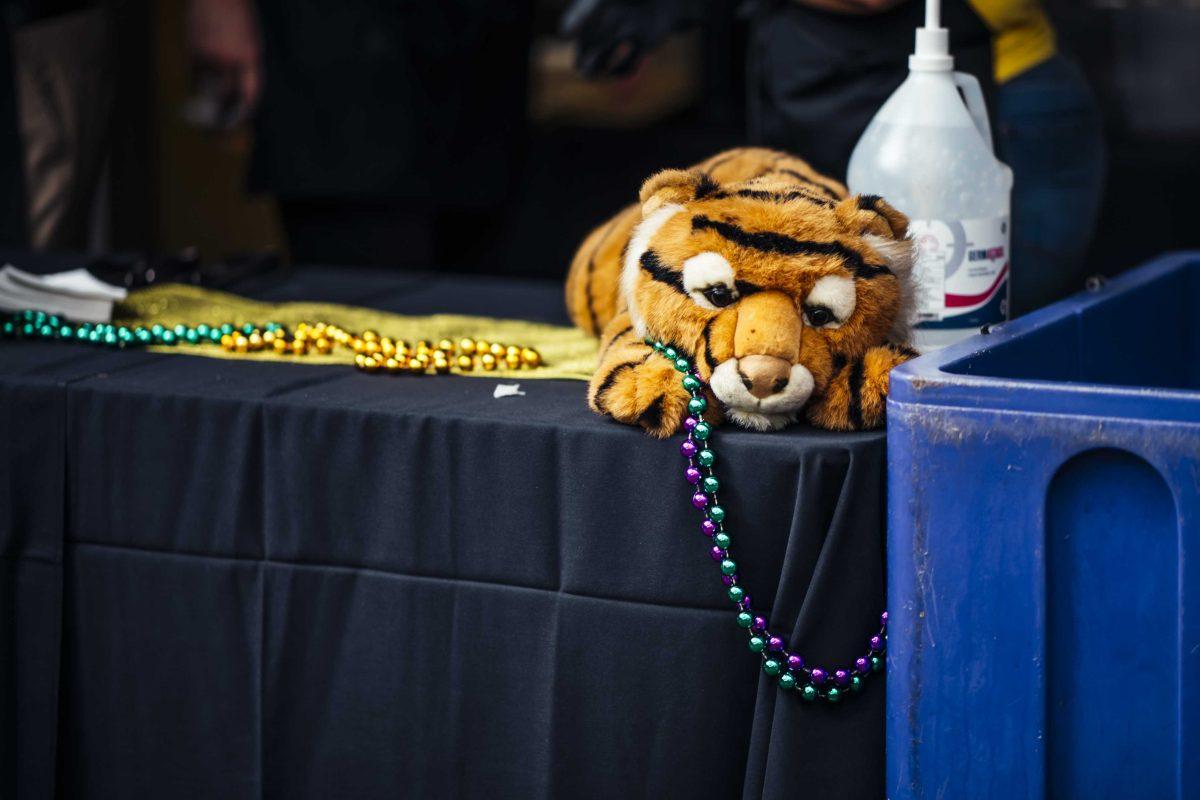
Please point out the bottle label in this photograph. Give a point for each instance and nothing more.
(961, 272)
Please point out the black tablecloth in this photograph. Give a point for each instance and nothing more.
(232, 579)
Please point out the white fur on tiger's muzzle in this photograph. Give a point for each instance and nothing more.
(769, 413)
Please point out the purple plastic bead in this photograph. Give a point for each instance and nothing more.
(690, 423)
(716, 553)
(692, 474)
(883, 619)
(841, 677)
(818, 676)
(745, 604)
(688, 448)
(729, 580)
(700, 500)
(775, 644)
(862, 665)
(876, 642)
(708, 527)
(759, 624)
(795, 662)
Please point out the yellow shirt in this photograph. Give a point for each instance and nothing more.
(1022, 36)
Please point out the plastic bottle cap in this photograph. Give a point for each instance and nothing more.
(932, 52)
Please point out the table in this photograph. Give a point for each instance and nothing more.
(231, 579)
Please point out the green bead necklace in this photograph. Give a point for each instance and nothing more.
(787, 668)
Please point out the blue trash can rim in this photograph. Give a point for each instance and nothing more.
(937, 378)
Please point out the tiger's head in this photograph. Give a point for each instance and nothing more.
(771, 285)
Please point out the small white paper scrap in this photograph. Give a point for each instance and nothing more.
(507, 390)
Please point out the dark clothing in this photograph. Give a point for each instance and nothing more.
(386, 100)
(1049, 131)
(816, 78)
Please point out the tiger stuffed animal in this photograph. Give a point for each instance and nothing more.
(789, 295)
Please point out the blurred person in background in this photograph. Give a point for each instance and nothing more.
(818, 70)
(55, 108)
(389, 132)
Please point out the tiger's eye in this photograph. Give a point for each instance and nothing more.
(818, 315)
(719, 295)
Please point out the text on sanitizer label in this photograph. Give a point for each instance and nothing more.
(961, 271)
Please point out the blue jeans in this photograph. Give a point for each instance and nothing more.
(1049, 131)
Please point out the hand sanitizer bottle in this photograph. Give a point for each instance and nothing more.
(930, 155)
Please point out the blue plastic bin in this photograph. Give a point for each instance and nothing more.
(1044, 552)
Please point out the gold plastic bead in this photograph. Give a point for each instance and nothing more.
(323, 345)
(299, 347)
(487, 361)
(370, 336)
(466, 363)
(423, 357)
(393, 366)
(360, 361)
(268, 337)
(497, 350)
(466, 345)
(423, 345)
(531, 357)
(441, 367)
(241, 344)
(415, 366)
(481, 347)
(513, 360)
(370, 364)
(447, 345)
(512, 350)
(281, 346)
(227, 341)
(255, 341)
(387, 348)
(371, 348)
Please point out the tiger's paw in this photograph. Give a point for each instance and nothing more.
(856, 398)
(648, 393)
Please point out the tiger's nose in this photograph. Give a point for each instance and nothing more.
(764, 376)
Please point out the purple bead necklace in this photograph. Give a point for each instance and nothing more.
(786, 667)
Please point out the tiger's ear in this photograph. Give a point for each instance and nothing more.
(870, 214)
(674, 186)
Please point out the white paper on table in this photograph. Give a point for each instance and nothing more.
(78, 282)
(507, 390)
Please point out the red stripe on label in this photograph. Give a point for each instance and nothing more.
(960, 300)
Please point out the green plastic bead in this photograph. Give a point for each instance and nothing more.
(833, 695)
(787, 681)
(46, 331)
(143, 335)
(706, 457)
(181, 330)
(728, 566)
(10, 329)
(193, 337)
(248, 328)
(168, 337)
(226, 329)
(81, 334)
(717, 514)
(702, 431)
(157, 330)
(272, 326)
(66, 332)
(745, 619)
(691, 383)
(757, 644)
(808, 693)
(671, 353)
(876, 663)
(682, 364)
(203, 329)
(711, 484)
(110, 338)
(215, 335)
(736, 593)
(772, 667)
(660, 347)
(649, 340)
(856, 684)
(722, 540)
(125, 335)
(697, 405)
